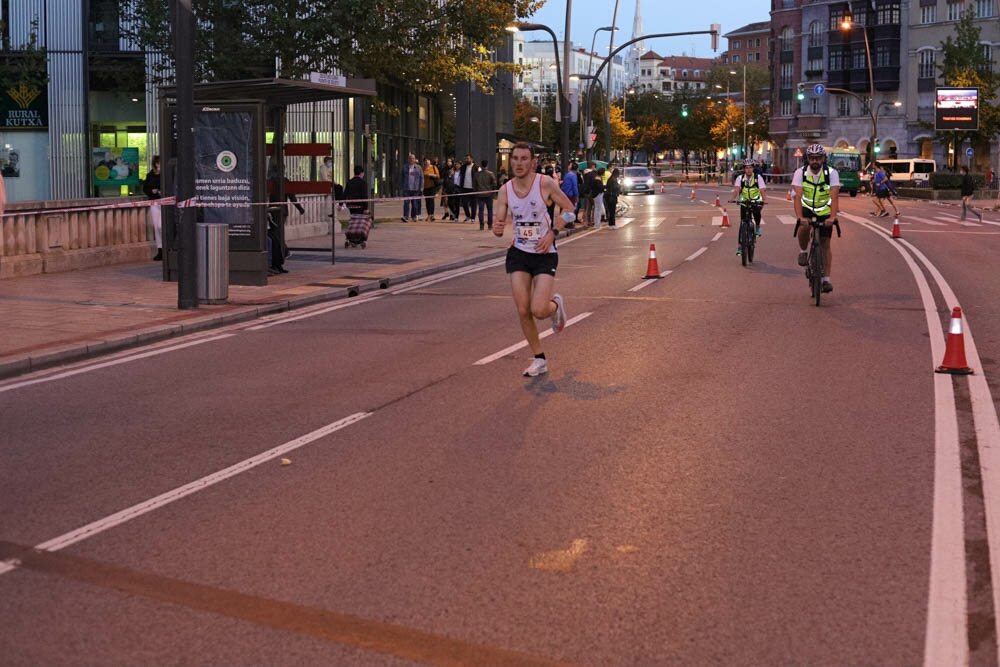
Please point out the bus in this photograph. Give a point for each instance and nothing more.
(909, 171)
(847, 162)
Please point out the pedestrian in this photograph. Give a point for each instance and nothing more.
(597, 193)
(612, 190)
(586, 193)
(432, 177)
(326, 170)
(277, 214)
(968, 189)
(356, 192)
(532, 258)
(884, 190)
(151, 188)
(447, 175)
(990, 179)
(571, 186)
(411, 182)
(467, 185)
(454, 191)
(486, 190)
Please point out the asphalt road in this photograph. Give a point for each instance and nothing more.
(714, 471)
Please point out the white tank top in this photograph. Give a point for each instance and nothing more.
(531, 218)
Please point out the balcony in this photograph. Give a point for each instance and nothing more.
(812, 125)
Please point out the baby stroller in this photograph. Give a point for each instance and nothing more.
(357, 230)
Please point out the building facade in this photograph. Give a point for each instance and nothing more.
(875, 79)
(668, 74)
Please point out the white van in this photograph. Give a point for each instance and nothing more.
(909, 171)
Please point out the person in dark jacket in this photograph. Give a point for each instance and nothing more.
(151, 188)
(968, 189)
(357, 189)
(612, 189)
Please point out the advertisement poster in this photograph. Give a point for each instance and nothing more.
(223, 145)
(115, 166)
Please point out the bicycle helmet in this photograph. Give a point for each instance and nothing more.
(815, 149)
(748, 163)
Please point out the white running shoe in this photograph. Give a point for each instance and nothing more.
(558, 317)
(537, 367)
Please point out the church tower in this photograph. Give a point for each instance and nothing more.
(637, 49)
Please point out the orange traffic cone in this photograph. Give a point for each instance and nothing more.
(663, 184)
(717, 202)
(789, 196)
(678, 182)
(895, 228)
(725, 218)
(652, 269)
(692, 194)
(954, 352)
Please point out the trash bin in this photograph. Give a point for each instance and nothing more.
(213, 262)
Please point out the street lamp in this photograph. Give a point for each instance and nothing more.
(563, 102)
(593, 41)
(846, 26)
(536, 119)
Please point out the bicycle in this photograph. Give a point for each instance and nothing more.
(814, 264)
(621, 208)
(748, 230)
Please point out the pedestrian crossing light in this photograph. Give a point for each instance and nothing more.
(684, 110)
(801, 95)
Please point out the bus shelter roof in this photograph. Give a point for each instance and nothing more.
(276, 92)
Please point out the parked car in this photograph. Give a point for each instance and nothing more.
(637, 179)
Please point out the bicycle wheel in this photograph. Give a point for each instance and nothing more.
(751, 245)
(816, 274)
(744, 243)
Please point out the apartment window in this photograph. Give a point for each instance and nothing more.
(837, 60)
(985, 8)
(787, 39)
(736, 43)
(887, 14)
(883, 56)
(757, 46)
(787, 74)
(815, 65)
(955, 11)
(928, 14)
(988, 57)
(925, 64)
(736, 58)
(815, 106)
(786, 107)
(858, 60)
(843, 106)
(815, 34)
(837, 16)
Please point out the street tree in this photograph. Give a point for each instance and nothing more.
(423, 44)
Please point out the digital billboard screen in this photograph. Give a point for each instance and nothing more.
(957, 109)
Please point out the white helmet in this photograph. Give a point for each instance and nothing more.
(815, 149)
(748, 163)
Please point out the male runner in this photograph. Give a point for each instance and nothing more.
(532, 258)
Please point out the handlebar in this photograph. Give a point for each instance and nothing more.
(814, 222)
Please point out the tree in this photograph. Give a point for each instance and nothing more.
(424, 44)
(964, 64)
(622, 134)
(25, 64)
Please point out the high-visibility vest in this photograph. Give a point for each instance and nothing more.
(816, 191)
(750, 190)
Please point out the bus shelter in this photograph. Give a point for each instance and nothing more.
(232, 184)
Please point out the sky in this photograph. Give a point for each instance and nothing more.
(658, 16)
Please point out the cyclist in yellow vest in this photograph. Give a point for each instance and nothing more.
(749, 187)
(817, 188)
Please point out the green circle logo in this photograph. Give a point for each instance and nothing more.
(226, 161)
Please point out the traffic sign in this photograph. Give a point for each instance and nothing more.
(819, 89)
(797, 153)
(969, 152)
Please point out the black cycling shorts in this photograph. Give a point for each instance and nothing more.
(825, 232)
(531, 262)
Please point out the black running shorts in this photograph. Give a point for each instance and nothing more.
(531, 262)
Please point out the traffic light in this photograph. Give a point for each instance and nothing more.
(801, 95)
(684, 110)
(877, 148)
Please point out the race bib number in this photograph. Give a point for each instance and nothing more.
(527, 234)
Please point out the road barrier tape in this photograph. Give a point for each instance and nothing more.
(194, 202)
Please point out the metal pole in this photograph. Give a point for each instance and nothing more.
(187, 260)
(564, 83)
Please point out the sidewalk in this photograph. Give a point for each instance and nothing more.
(56, 318)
